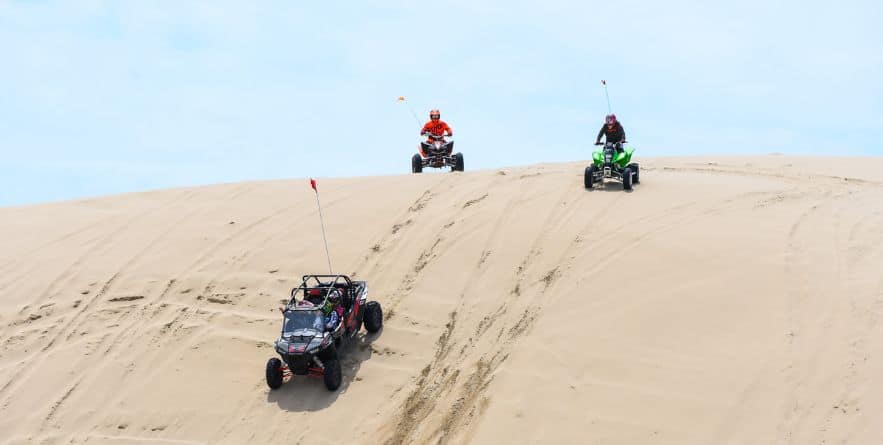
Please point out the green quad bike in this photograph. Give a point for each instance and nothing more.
(612, 164)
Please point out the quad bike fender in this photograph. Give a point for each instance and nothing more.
(624, 157)
(596, 157)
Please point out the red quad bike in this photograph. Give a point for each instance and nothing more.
(305, 346)
(436, 154)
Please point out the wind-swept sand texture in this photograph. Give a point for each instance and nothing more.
(726, 300)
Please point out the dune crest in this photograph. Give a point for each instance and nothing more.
(724, 300)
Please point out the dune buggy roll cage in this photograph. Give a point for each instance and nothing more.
(312, 285)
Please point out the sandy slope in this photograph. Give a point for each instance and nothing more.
(726, 300)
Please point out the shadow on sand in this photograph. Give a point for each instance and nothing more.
(610, 187)
(304, 393)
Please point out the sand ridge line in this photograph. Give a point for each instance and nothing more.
(754, 171)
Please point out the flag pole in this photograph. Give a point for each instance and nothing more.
(407, 104)
(322, 221)
(609, 110)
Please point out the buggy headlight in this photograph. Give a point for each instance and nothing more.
(318, 342)
(281, 345)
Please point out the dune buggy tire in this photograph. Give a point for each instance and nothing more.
(274, 373)
(637, 171)
(373, 316)
(458, 162)
(627, 178)
(332, 375)
(329, 353)
(589, 180)
(416, 164)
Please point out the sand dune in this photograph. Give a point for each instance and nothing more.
(725, 300)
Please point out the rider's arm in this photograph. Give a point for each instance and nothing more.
(331, 320)
(448, 128)
(600, 133)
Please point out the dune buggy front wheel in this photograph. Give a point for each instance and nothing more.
(332, 375)
(274, 373)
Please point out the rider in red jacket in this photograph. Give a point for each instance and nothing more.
(435, 127)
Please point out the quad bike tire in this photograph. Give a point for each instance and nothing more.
(274, 373)
(332, 376)
(627, 178)
(373, 316)
(589, 179)
(416, 163)
(637, 171)
(458, 162)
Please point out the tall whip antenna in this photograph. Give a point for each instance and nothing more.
(609, 110)
(322, 220)
(407, 104)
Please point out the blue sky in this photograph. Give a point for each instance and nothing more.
(110, 97)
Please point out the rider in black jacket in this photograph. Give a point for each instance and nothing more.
(613, 131)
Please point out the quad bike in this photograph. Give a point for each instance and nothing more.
(305, 346)
(612, 162)
(436, 154)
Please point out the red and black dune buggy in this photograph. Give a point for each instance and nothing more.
(307, 345)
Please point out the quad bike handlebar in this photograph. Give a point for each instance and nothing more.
(605, 143)
(435, 136)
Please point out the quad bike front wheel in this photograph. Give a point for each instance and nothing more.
(274, 373)
(373, 316)
(416, 163)
(636, 169)
(589, 179)
(458, 162)
(627, 178)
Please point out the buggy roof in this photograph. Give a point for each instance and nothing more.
(318, 285)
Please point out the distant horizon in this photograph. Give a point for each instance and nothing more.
(109, 98)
